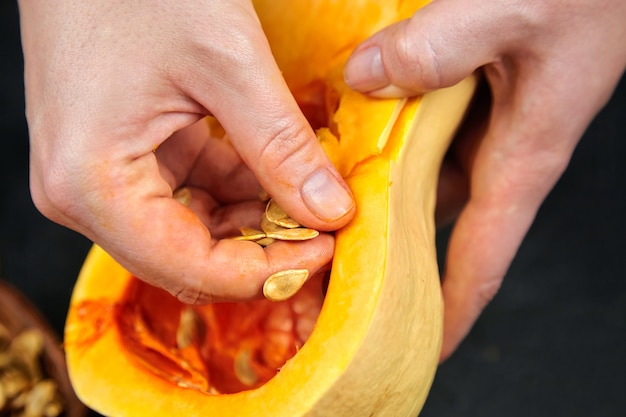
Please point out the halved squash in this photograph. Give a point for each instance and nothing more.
(375, 345)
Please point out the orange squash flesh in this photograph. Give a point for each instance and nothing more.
(375, 345)
(236, 346)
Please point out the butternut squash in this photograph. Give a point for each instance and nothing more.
(374, 348)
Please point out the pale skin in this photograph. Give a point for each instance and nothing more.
(550, 67)
(115, 91)
(108, 82)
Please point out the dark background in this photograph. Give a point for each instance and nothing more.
(552, 343)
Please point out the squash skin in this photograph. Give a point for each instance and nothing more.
(376, 344)
(393, 368)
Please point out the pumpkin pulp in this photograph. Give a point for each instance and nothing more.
(229, 347)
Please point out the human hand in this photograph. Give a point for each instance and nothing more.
(550, 67)
(108, 83)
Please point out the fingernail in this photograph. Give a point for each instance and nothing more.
(325, 196)
(364, 70)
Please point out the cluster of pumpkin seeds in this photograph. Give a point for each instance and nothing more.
(276, 224)
(24, 389)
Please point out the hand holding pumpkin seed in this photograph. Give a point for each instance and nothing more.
(122, 133)
(233, 207)
(277, 225)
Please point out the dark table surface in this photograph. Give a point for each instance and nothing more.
(552, 343)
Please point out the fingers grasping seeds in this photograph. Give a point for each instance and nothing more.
(276, 225)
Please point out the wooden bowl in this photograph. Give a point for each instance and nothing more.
(18, 314)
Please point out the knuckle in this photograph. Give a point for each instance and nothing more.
(535, 172)
(192, 291)
(289, 145)
(192, 297)
(418, 60)
(40, 198)
(50, 196)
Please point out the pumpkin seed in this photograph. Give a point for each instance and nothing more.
(250, 234)
(183, 195)
(24, 391)
(39, 397)
(276, 225)
(268, 226)
(243, 369)
(29, 342)
(249, 231)
(187, 330)
(265, 241)
(14, 381)
(26, 348)
(284, 284)
(300, 233)
(277, 215)
(53, 409)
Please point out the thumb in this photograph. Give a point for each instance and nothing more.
(267, 128)
(437, 47)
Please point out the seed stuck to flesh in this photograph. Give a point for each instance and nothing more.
(243, 370)
(183, 195)
(284, 284)
(187, 330)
